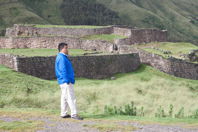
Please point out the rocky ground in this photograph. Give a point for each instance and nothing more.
(96, 125)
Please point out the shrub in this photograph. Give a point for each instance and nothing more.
(127, 109)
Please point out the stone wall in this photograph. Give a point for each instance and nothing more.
(9, 61)
(136, 36)
(172, 66)
(105, 65)
(42, 67)
(38, 42)
(148, 35)
(122, 31)
(30, 37)
(52, 43)
(123, 49)
(125, 41)
(98, 45)
(21, 30)
(6, 42)
(85, 66)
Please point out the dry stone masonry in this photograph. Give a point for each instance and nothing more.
(28, 36)
(30, 30)
(172, 66)
(100, 66)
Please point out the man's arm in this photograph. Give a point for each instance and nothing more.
(63, 69)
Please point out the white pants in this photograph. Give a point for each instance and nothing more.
(68, 99)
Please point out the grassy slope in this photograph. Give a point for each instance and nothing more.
(176, 49)
(176, 16)
(18, 12)
(41, 52)
(147, 87)
(47, 9)
(172, 15)
(15, 12)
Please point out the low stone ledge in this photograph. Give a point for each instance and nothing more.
(172, 66)
(94, 67)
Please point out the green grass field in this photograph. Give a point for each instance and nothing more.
(18, 126)
(176, 49)
(42, 52)
(147, 87)
(69, 26)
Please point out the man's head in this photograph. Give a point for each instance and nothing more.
(63, 48)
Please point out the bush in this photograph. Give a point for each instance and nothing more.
(128, 109)
(195, 114)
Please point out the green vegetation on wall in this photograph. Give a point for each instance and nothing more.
(42, 52)
(69, 26)
(168, 49)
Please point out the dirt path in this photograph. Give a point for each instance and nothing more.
(88, 125)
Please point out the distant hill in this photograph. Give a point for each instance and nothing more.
(29, 11)
(179, 17)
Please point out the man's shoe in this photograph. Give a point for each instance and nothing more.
(76, 117)
(66, 116)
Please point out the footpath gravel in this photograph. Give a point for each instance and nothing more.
(70, 125)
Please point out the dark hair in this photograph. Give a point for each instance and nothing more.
(61, 46)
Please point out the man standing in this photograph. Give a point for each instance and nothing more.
(65, 76)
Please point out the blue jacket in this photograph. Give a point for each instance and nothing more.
(64, 70)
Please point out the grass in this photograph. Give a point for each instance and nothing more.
(42, 52)
(48, 35)
(18, 126)
(24, 114)
(176, 49)
(22, 120)
(157, 89)
(144, 120)
(112, 127)
(107, 37)
(69, 26)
